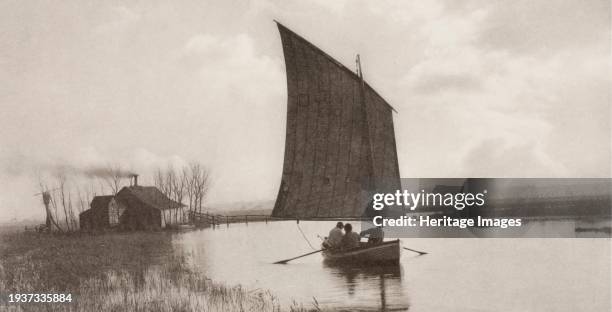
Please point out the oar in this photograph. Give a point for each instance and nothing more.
(304, 255)
(419, 252)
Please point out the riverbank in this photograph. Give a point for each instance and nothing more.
(115, 272)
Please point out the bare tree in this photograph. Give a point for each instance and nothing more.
(54, 214)
(84, 196)
(191, 182)
(61, 182)
(178, 191)
(64, 191)
(163, 184)
(200, 183)
(114, 176)
(161, 181)
(71, 215)
(190, 185)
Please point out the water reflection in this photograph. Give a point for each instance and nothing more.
(389, 276)
(525, 274)
(245, 255)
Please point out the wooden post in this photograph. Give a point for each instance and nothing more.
(246, 219)
(227, 220)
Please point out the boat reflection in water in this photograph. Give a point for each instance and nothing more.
(230, 255)
(354, 276)
(455, 275)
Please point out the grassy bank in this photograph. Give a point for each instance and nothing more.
(115, 272)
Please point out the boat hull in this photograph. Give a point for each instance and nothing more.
(387, 253)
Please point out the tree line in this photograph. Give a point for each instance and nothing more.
(190, 183)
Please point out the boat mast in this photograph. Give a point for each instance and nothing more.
(362, 94)
(359, 73)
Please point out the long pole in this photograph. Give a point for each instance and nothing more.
(304, 255)
(419, 252)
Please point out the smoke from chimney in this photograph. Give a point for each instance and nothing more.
(107, 172)
(93, 172)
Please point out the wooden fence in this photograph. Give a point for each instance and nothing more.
(208, 219)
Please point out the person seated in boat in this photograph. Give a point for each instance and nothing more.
(335, 237)
(375, 235)
(350, 239)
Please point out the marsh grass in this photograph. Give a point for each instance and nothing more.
(116, 272)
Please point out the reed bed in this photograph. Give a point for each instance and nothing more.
(116, 272)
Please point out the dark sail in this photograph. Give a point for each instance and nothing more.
(340, 142)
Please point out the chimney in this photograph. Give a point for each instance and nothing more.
(135, 176)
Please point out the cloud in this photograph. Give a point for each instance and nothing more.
(228, 65)
(527, 160)
(545, 26)
(433, 83)
(477, 84)
(143, 161)
(512, 81)
(450, 61)
(239, 96)
(120, 17)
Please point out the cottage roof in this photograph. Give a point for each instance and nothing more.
(151, 196)
(85, 213)
(101, 202)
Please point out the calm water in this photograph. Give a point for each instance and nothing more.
(456, 275)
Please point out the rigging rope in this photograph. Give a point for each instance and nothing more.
(305, 238)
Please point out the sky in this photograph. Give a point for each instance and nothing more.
(482, 88)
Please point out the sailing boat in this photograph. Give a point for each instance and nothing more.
(340, 145)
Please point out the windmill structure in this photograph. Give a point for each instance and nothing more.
(49, 220)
